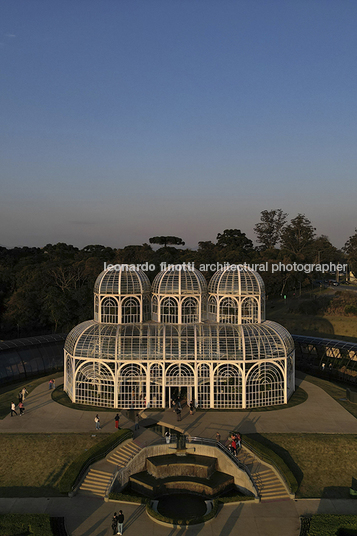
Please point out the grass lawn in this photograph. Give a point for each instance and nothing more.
(31, 465)
(323, 464)
(8, 393)
(22, 524)
(331, 326)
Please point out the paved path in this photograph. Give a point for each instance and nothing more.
(319, 414)
(92, 517)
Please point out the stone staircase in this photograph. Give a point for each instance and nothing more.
(101, 473)
(269, 486)
(95, 483)
(121, 456)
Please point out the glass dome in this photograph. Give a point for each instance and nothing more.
(179, 282)
(123, 281)
(240, 282)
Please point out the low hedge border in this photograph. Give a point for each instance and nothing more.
(329, 525)
(268, 455)
(74, 472)
(182, 522)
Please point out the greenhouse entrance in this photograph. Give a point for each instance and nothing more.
(184, 393)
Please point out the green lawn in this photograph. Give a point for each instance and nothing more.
(323, 464)
(25, 524)
(31, 465)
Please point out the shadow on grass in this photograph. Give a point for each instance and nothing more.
(336, 492)
(29, 491)
(282, 453)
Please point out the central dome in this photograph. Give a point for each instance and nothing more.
(182, 282)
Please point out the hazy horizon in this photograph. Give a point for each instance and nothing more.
(125, 120)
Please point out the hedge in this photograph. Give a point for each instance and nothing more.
(97, 452)
(268, 455)
(332, 525)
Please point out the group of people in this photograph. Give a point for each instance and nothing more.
(21, 397)
(236, 443)
(118, 522)
(177, 408)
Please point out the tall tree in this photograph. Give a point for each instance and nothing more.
(350, 248)
(270, 227)
(298, 237)
(167, 240)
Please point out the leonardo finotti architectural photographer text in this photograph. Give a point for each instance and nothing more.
(262, 267)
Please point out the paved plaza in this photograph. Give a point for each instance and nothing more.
(85, 516)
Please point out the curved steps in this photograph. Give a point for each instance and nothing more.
(270, 487)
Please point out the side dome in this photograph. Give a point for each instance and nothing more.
(236, 296)
(123, 281)
(239, 282)
(179, 296)
(122, 296)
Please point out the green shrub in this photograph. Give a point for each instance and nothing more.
(98, 451)
(128, 497)
(351, 310)
(268, 455)
(332, 525)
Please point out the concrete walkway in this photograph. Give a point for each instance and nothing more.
(92, 517)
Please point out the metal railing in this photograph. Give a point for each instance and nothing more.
(100, 456)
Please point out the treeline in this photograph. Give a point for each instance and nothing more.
(50, 289)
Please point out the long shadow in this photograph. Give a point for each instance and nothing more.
(228, 527)
(134, 516)
(283, 453)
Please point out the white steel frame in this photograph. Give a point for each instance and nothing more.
(120, 361)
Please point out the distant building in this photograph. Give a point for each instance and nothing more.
(150, 344)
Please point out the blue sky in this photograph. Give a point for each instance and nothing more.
(124, 119)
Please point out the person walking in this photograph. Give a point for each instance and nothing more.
(115, 523)
(136, 427)
(53, 384)
(218, 437)
(191, 407)
(50, 383)
(167, 437)
(24, 392)
(21, 408)
(13, 409)
(97, 422)
(120, 522)
(116, 418)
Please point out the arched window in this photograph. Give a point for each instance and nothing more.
(250, 312)
(154, 306)
(146, 308)
(169, 311)
(265, 385)
(109, 311)
(212, 308)
(190, 311)
(228, 311)
(132, 386)
(227, 387)
(130, 312)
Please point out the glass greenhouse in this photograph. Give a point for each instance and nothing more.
(148, 344)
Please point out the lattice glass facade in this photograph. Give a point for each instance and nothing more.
(232, 359)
